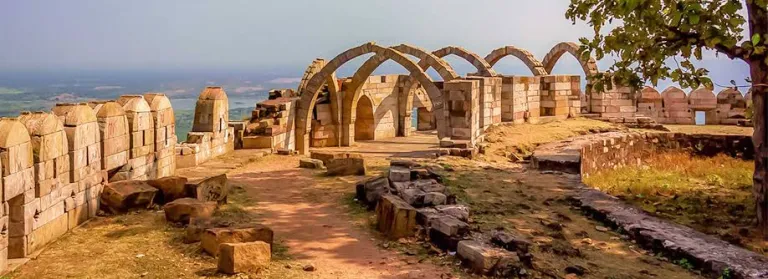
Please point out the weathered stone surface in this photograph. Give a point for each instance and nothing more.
(482, 259)
(326, 157)
(214, 188)
(369, 191)
(197, 227)
(212, 238)
(181, 210)
(171, 188)
(413, 196)
(346, 166)
(311, 164)
(404, 163)
(510, 241)
(673, 239)
(244, 257)
(399, 174)
(460, 212)
(126, 195)
(396, 218)
(424, 216)
(449, 226)
(434, 198)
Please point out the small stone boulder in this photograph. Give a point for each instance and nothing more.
(353, 165)
(181, 210)
(461, 212)
(212, 238)
(214, 188)
(369, 191)
(395, 217)
(243, 257)
(123, 196)
(483, 259)
(311, 164)
(171, 188)
(197, 227)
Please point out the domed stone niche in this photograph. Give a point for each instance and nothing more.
(86, 175)
(731, 106)
(140, 127)
(649, 103)
(165, 134)
(18, 178)
(115, 137)
(675, 107)
(212, 112)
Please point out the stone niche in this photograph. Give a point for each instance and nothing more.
(165, 134)
(43, 209)
(18, 189)
(81, 197)
(731, 106)
(115, 138)
(649, 103)
(676, 110)
(141, 129)
(703, 99)
(211, 135)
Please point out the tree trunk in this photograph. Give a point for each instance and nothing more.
(758, 24)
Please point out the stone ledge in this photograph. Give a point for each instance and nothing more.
(705, 252)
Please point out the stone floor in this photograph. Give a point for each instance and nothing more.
(421, 144)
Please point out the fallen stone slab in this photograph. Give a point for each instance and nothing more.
(197, 227)
(212, 238)
(446, 232)
(311, 164)
(369, 191)
(486, 260)
(244, 257)
(429, 185)
(510, 241)
(395, 218)
(458, 211)
(708, 253)
(404, 163)
(181, 210)
(214, 188)
(126, 195)
(171, 188)
(326, 157)
(354, 165)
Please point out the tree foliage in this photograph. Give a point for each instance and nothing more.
(646, 36)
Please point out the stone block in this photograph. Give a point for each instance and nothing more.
(395, 217)
(126, 195)
(311, 164)
(244, 257)
(171, 188)
(346, 166)
(46, 234)
(212, 238)
(399, 174)
(214, 188)
(369, 191)
(482, 259)
(181, 210)
(458, 211)
(434, 198)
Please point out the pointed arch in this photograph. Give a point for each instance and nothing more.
(536, 67)
(483, 68)
(589, 66)
(313, 86)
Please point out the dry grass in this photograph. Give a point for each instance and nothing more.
(143, 244)
(712, 195)
(711, 129)
(516, 142)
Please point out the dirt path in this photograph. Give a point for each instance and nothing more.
(317, 231)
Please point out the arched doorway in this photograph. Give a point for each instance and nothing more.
(364, 123)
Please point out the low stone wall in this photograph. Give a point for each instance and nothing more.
(632, 149)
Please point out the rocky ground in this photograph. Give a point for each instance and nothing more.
(318, 223)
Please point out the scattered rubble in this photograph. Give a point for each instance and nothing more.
(126, 195)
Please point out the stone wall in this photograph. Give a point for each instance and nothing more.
(674, 106)
(632, 149)
(211, 135)
(560, 96)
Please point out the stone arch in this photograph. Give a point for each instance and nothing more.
(313, 86)
(427, 59)
(673, 95)
(589, 66)
(732, 97)
(536, 67)
(483, 68)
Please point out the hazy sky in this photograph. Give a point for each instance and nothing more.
(286, 34)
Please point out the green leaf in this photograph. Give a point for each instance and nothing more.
(755, 39)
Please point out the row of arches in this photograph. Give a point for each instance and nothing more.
(311, 86)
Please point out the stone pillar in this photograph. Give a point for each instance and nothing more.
(490, 100)
(142, 134)
(18, 189)
(463, 110)
(115, 137)
(165, 135)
